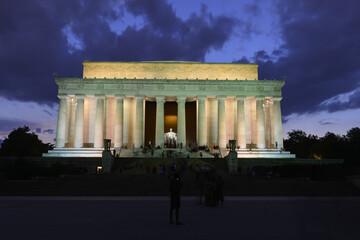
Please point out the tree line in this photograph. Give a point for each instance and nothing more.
(330, 146)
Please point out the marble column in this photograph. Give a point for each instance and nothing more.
(139, 121)
(271, 113)
(118, 132)
(99, 122)
(241, 129)
(222, 122)
(79, 122)
(61, 124)
(126, 117)
(159, 132)
(181, 123)
(201, 121)
(215, 120)
(260, 126)
(68, 118)
(72, 122)
(278, 134)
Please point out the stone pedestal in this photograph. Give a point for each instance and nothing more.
(107, 157)
(231, 158)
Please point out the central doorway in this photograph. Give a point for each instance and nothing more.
(170, 120)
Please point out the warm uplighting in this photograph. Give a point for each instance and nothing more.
(99, 169)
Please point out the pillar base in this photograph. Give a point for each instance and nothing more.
(74, 152)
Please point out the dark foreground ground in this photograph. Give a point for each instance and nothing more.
(147, 218)
(150, 185)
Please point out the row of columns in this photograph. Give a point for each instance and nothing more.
(122, 122)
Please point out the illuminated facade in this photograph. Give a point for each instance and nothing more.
(129, 103)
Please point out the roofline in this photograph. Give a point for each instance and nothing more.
(169, 62)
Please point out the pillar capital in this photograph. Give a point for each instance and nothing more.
(139, 96)
(276, 98)
(240, 97)
(259, 97)
(80, 96)
(100, 96)
(201, 97)
(63, 96)
(160, 98)
(119, 96)
(181, 99)
(221, 97)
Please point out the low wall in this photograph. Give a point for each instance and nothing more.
(245, 163)
(89, 164)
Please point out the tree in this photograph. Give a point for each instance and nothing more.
(301, 144)
(352, 150)
(331, 146)
(23, 143)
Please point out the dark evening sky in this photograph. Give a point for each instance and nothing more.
(314, 44)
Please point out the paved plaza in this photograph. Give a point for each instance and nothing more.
(148, 218)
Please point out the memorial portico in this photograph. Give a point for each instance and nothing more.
(133, 103)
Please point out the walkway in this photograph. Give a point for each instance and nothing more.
(147, 218)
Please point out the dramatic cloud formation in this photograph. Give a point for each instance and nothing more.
(320, 56)
(38, 38)
(314, 44)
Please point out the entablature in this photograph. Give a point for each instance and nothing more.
(173, 87)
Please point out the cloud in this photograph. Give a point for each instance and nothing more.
(38, 38)
(38, 130)
(320, 56)
(46, 111)
(327, 121)
(49, 131)
(10, 124)
(349, 100)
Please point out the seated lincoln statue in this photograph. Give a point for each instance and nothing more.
(170, 138)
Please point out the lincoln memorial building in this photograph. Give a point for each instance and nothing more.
(137, 103)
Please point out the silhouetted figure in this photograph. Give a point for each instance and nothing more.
(219, 191)
(197, 171)
(161, 170)
(174, 188)
(154, 170)
(200, 188)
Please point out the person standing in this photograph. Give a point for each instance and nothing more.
(197, 172)
(219, 191)
(174, 188)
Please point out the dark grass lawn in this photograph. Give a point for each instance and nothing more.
(153, 185)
